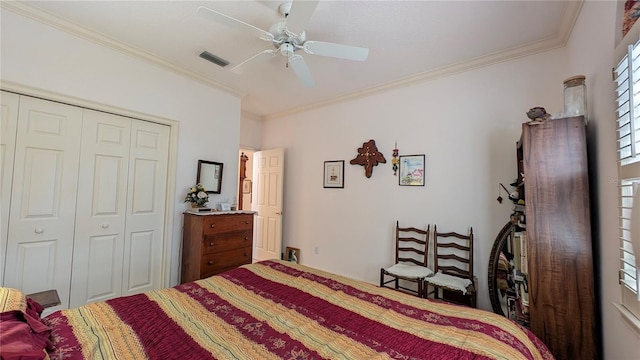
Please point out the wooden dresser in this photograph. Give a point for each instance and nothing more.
(215, 242)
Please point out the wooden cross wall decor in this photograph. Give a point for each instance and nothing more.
(368, 156)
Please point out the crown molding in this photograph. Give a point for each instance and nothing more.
(570, 15)
(44, 17)
(250, 115)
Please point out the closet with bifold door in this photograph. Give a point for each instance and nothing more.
(85, 194)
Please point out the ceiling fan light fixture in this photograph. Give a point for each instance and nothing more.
(287, 49)
(214, 59)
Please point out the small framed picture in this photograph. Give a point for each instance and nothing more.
(411, 170)
(334, 174)
(225, 206)
(246, 186)
(292, 254)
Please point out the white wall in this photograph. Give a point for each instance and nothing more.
(590, 52)
(250, 132)
(466, 125)
(38, 56)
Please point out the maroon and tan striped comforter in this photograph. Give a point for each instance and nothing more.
(275, 310)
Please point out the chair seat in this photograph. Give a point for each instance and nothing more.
(449, 282)
(409, 271)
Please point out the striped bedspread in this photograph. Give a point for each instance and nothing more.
(281, 310)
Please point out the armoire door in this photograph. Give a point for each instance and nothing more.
(8, 122)
(43, 197)
(98, 248)
(146, 199)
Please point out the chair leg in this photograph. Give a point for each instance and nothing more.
(397, 283)
(420, 289)
(381, 277)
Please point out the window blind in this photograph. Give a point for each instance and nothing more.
(627, 79)
(628, 269)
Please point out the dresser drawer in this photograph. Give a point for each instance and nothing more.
(226, 259)
(215, 224)
(227, 241)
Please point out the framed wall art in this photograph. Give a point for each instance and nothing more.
(292, 255)
(334, 174)
(246, 186)
(411, 170)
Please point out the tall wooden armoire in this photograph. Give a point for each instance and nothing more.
(562, 297)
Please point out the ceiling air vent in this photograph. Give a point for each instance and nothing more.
(214, 59)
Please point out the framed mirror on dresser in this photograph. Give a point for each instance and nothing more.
(210, 176)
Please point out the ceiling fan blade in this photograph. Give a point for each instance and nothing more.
(302, 70)
(259, 57)
(227, 20)
(339, 51)
(299, 15)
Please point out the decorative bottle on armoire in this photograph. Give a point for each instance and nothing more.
(562, 295)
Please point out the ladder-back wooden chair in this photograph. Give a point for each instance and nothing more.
(453, 267)
(411, 260)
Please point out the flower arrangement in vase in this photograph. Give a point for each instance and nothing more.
(197, 196)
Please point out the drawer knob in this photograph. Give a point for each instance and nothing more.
(246, 238)
(210, 262)
(246, 222)
(39, 230)
(213, 225)
(211, 243)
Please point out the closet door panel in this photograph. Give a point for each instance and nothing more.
(145, 207)
(8, 123)
(101, 209)
(141, 269)
(43, 197)
(39, 258)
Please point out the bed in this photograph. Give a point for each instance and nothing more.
(281, 310)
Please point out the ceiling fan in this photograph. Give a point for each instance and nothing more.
(288, 37)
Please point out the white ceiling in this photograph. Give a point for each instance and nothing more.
(409, 41)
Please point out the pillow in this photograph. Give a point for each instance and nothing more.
(24, 335)
(12, 299)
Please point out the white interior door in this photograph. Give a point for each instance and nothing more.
(8, 122)
(146, 197)
(43, 198)
(101, 210)
(268, 173)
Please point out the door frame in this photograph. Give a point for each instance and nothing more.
(171, 163)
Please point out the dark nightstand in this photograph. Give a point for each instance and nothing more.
(47, 298)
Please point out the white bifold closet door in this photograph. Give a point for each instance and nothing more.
(98, 250)
(121, 203)
(43, 198)
(146, 204)
(88, 202)
(8, 123)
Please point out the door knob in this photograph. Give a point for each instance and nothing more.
(279, 213)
